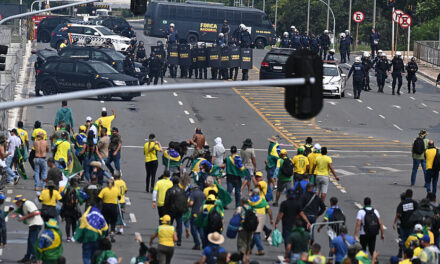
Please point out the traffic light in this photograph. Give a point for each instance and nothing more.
(304, 101)
(138, 7)
(3, 51)
(390, 3)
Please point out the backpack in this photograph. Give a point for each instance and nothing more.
(250, 223)
(371, 222)
(180, 204)
(338, 215)
(233, 226)
(212, 258)
(419, 146)
(307, 150)
(298, 189)
(287, 167)
(436, 163)
(269, 194)
(215, 221)
(423, 212)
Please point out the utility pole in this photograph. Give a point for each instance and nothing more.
(349, 16)
(328, 13)
(374, 14)
(276, 14)
(264, 5)
(308, 15)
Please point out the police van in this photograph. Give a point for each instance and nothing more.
(97, 35)
(202, 21)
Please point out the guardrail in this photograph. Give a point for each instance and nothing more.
(428, 51)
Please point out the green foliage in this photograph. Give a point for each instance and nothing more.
(429, 30)
(428, 10)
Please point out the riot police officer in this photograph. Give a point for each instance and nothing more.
(377, 58)
(348, 42)
(292, 32)
(411, 69)
(162, 56)
(374, 41)
(193, 67)
(128, 65)
(225, 29)
(132, 48)
(234, 62)
(381, 69)
(367, 66)
(220, 39)
(305, 44)
(245, 39)
(236, 34)
(314, 44)
(358, 71)
(343, 47)
(296, 41)
(285, 40)
(88, 42)
(202, 62)
(324, 42)
(107, 44)
(155, 64)
(398, 69)
(141, 54)
(172, 36)
(331, 55)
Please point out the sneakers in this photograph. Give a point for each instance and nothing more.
(112, 239)
(179, 243)
(275, 204)
(196, 247)
(260, 253)
(120, 231)
(68, 240)
(268, 232)
(16, 180)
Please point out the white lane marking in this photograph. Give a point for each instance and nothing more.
(8, 199)
(358, 205)
(332, 103)
(369, 108)
(396, 106)
(9, 191)
(423, 104)
(396, 126)
(132, 218)
(127, 201)
(435, 112)
(175, 94)
(383, 168)
(412, 98)
(191, 120)
(349, 94)
(359, 100)
(1, 251)
(101, 102)
(180, 103)
(343, 191)
(381, 116)
(186, 112)
(208, 96)
(165, 81)
(344, 172)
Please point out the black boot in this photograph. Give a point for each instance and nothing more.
(398, 91)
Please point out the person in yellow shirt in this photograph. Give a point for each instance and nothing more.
(62, 150)
(431, 174)
(210, 185)
(109, 196)
(407, 256)
(150, 151)
(323, 164)
(49, 198)
(23, 134)
(260, 183)
(315, 253)
(35, 132)
(106, 121)
(312, 157)
(63, 44)
(122, 187)
(159, 192)
(167, 237)
(261, 208)
(301, 164)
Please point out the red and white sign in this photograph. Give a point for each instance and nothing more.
(405, 21)
(396, 15)
(358, 16)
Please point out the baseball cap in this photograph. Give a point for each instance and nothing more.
(89, 118)
(165, 219)
(317, 146)
(426, 238)
(283, 151)
(112, 260)
(418, 227)
(258, 174)
(19, 198)
(83, 128)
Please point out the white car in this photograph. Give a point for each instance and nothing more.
(333, 81)
(97, 35)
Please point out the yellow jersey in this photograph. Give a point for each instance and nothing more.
(47, 200)
(207, 189)
(109, 196)
(430, 155)
(312, 157)
(161, 188)
(262, 185)
(165, 234)
(63, 148)
(300, 163)
(23, 135)
(122, 187)
(322, 165)
(106, 121)
(150, 151)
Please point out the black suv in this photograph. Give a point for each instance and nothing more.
(123, 29)
(109, 56)
(69, 75)
(273, 65)
(47, 25)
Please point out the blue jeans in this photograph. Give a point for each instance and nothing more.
(256, 240)
(11, 174)
(196, 232)
(86, 166)
(404, 234)
(34, 231)
(40, 172)
(270, 172)
(116, 159)
(416, 163)
(178, 218)
(431, 177)
(88, 249)
(234, 182)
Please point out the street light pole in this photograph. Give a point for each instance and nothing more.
(349, 16)
(308, 16)
(374, 14)
(276, 14)
(328, 13)
(334, 22)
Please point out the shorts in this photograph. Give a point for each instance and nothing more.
(298, 177)
(283, 185)
(251, 173)
(270, 172)
(322, 184)
(244, 240)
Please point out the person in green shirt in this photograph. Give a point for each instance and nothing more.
(273, 153)
(284, 181)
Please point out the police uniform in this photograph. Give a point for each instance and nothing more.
(358, 71)
(296, 41)
(374, 42)
(172, 37)
(236, 35)
(398, 69)
(128, 66)
(343, 49)
(225, 29)
(381, 69)
(141, 53)
(324, 42)
(348, 42)
(285, 42)
(367, 66)
(411, 69)
(331, 57)
(202, 62)
(314, 44)
(305, 41)
(233, 71)
(245, 42)
(155, 64)
(193, 67)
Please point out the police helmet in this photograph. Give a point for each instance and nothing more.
(75, 39)
(221, 35)
(342, 35)
(141, 43)
(88, 40)
(332, 51)
(159, 43)
(357, 59)
(366, 54)
(225, 21)
(172, 25)
(108, 40)
(398, 53)
(326, 31)
(379, 51)
(413, 58)
(203, 45)
(241, 26)
(244, 28)
(285, 34)
(292, 27)
(347, 32)
(383, 54)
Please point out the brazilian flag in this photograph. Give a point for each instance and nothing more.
(74, 167)
(223, 195)
(92, 226)
(20, 164)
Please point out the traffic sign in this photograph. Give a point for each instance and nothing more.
(396, 14)
(358, 16)
(405, 21)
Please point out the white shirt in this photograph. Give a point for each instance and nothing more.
(95, 131)
(361, 216)
(13, 142)
(29, 207)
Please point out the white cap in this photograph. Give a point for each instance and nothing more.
(286, 34)
(172, 25)
(326, 31)
(104, 109)
(418, 227)
(317, 146)
(89, 118)
(398, 53)
(357, 59)
(342, 35)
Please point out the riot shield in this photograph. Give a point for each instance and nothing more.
(246, 58)
(159, 51)
(194, 55)
(225, 57)
(202, 61)
(173, 54)
(235, 57)
(214, 57)
(184, 55)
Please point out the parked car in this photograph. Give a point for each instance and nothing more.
(123, 27)
(333, 80)
(273, 64)
(47, 25)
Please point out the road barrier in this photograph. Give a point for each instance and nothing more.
(428, 51)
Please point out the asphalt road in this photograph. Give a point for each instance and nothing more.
(369, 138)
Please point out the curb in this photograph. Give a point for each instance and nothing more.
(427, 76)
